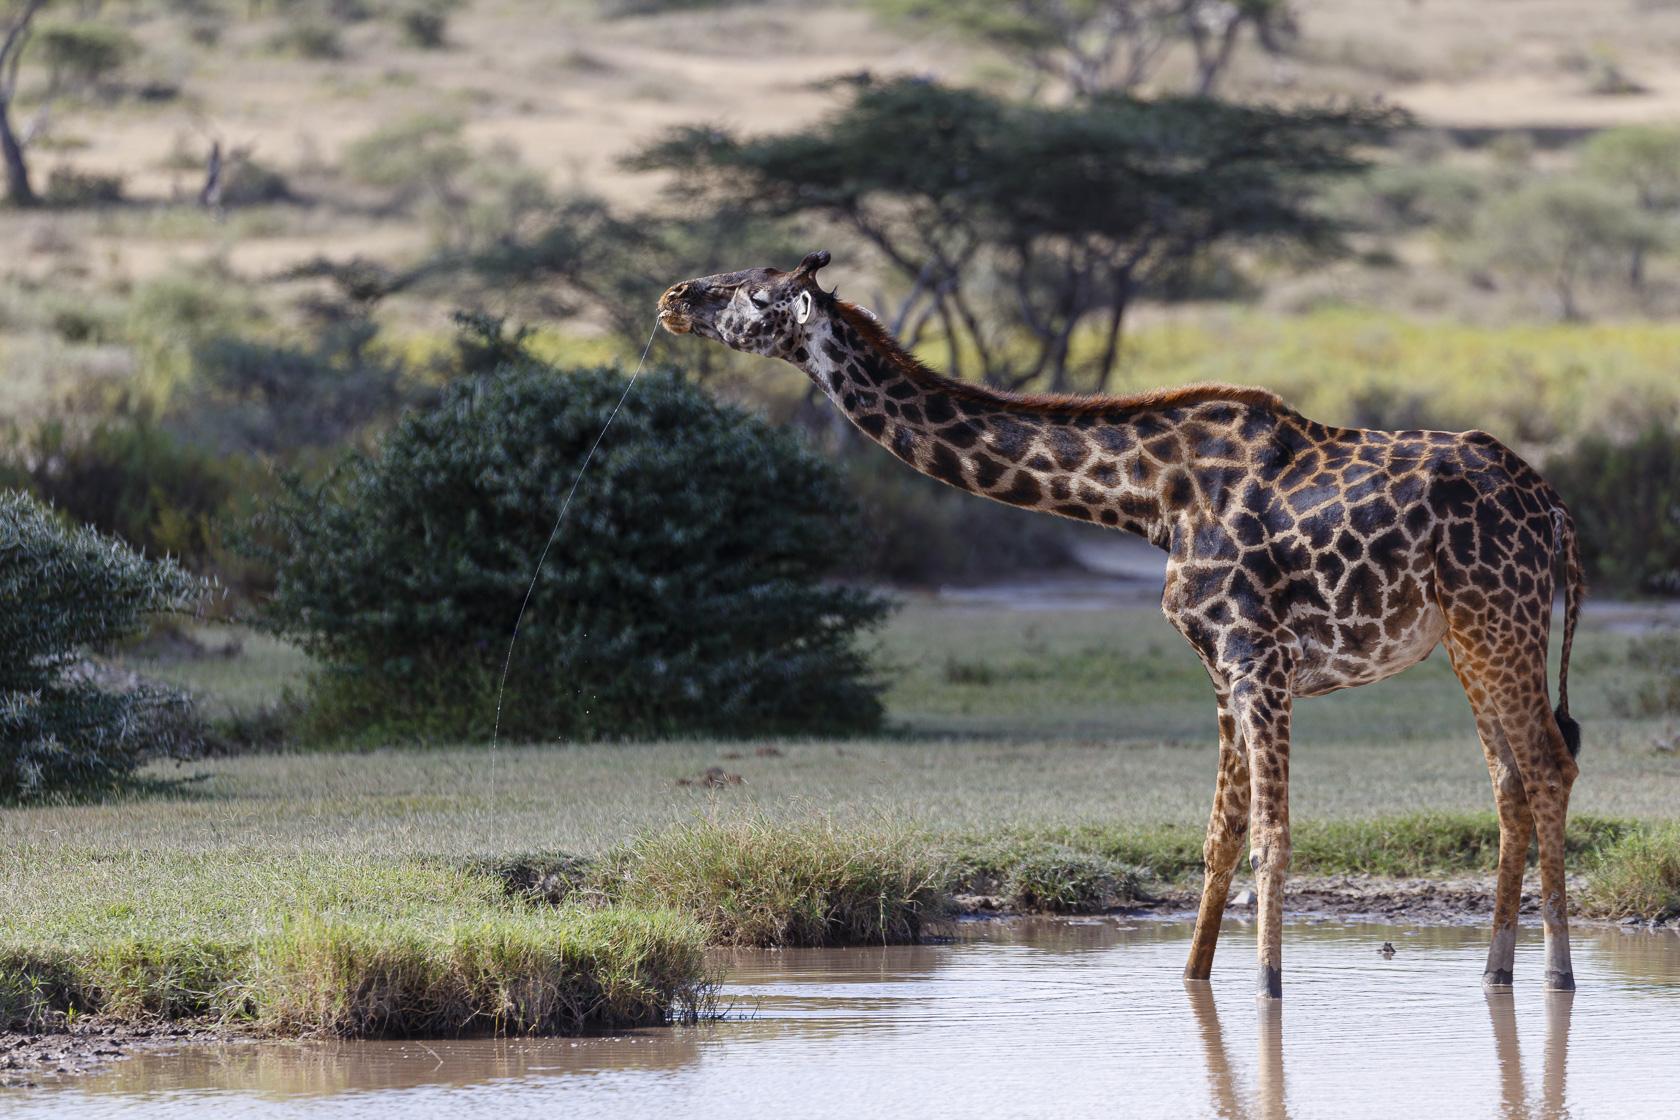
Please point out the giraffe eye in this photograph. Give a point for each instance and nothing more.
(760, 299)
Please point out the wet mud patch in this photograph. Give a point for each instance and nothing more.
(30, 1058)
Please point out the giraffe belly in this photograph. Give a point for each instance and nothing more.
(1341, 655)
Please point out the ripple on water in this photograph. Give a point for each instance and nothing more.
(1039, 1019)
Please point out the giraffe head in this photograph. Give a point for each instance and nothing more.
(758, 311)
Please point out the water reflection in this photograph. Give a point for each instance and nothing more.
(1055, 1020)
(1228, 1103)
(1270, 1100)
(1513, 1086)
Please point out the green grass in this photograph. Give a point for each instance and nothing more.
(1431, 843)
(1639, 875)
(240, 669)
(763, 882)
(1032, 873)
(321, 945)
(394, 891)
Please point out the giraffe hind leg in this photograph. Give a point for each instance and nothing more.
(1516, 821)
(1548, 773)
(1227, 832)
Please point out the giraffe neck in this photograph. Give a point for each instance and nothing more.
(1132, 463)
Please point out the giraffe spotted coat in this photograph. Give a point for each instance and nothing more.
(1302, 558)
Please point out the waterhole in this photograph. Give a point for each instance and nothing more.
(1052, 1019)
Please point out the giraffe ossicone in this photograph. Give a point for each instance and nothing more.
(1302, 558)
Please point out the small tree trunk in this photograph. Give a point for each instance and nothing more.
(1566, 299)
(1111, 341)
(18, 189)
(211, 196)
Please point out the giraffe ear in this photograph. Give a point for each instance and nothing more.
(802, 306)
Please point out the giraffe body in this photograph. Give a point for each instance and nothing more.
(1302, 558)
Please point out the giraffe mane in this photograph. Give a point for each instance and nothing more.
(875, 334)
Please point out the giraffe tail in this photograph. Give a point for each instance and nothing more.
(1574, 591)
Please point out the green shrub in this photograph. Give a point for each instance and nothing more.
(69, 187)
(1396, 197)
(420, 157)
(1562, 234)
(308, 38)
(1625, 497)
(68, 590)
(131, 479)
(684, 593)
(174, 314)
(250, 182)
(614, 9)
(248, 395)
(425, 23)
(84, 53)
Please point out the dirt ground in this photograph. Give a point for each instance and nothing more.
(27, 1058)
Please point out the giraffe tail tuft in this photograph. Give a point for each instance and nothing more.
(1571, 731)
(1574, 591)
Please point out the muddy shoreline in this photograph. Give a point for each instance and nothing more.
(27, 1059)
(83, 1047)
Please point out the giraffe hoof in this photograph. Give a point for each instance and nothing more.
(1496, 981)
(1560, 981)
(1271, 983)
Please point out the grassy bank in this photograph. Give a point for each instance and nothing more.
(320, 945)
(1047, 760)
(554, 943)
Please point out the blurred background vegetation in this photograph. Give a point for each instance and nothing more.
(235, 232)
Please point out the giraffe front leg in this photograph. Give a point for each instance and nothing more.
(1227, 832)
(1262, 705)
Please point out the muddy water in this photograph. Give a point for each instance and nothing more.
(1048, 1019)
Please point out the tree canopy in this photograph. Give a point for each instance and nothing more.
(1064, 212)
(1098, 46)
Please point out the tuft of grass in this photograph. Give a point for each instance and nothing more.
(758, 881)
(1063, 881)
(549, 877)
(1637, 876)
(1034, 873)
(525, 973)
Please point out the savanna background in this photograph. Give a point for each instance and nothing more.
(310, 310)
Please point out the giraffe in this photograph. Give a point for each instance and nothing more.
(1301, 559)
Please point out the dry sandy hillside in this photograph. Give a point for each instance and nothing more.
(574, 92)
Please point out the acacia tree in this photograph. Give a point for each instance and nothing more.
(14, 36)
(1644, 159)
(1018, 223)
(1098, 46)
(614, 265)
(75, 56)
(1562, 233)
